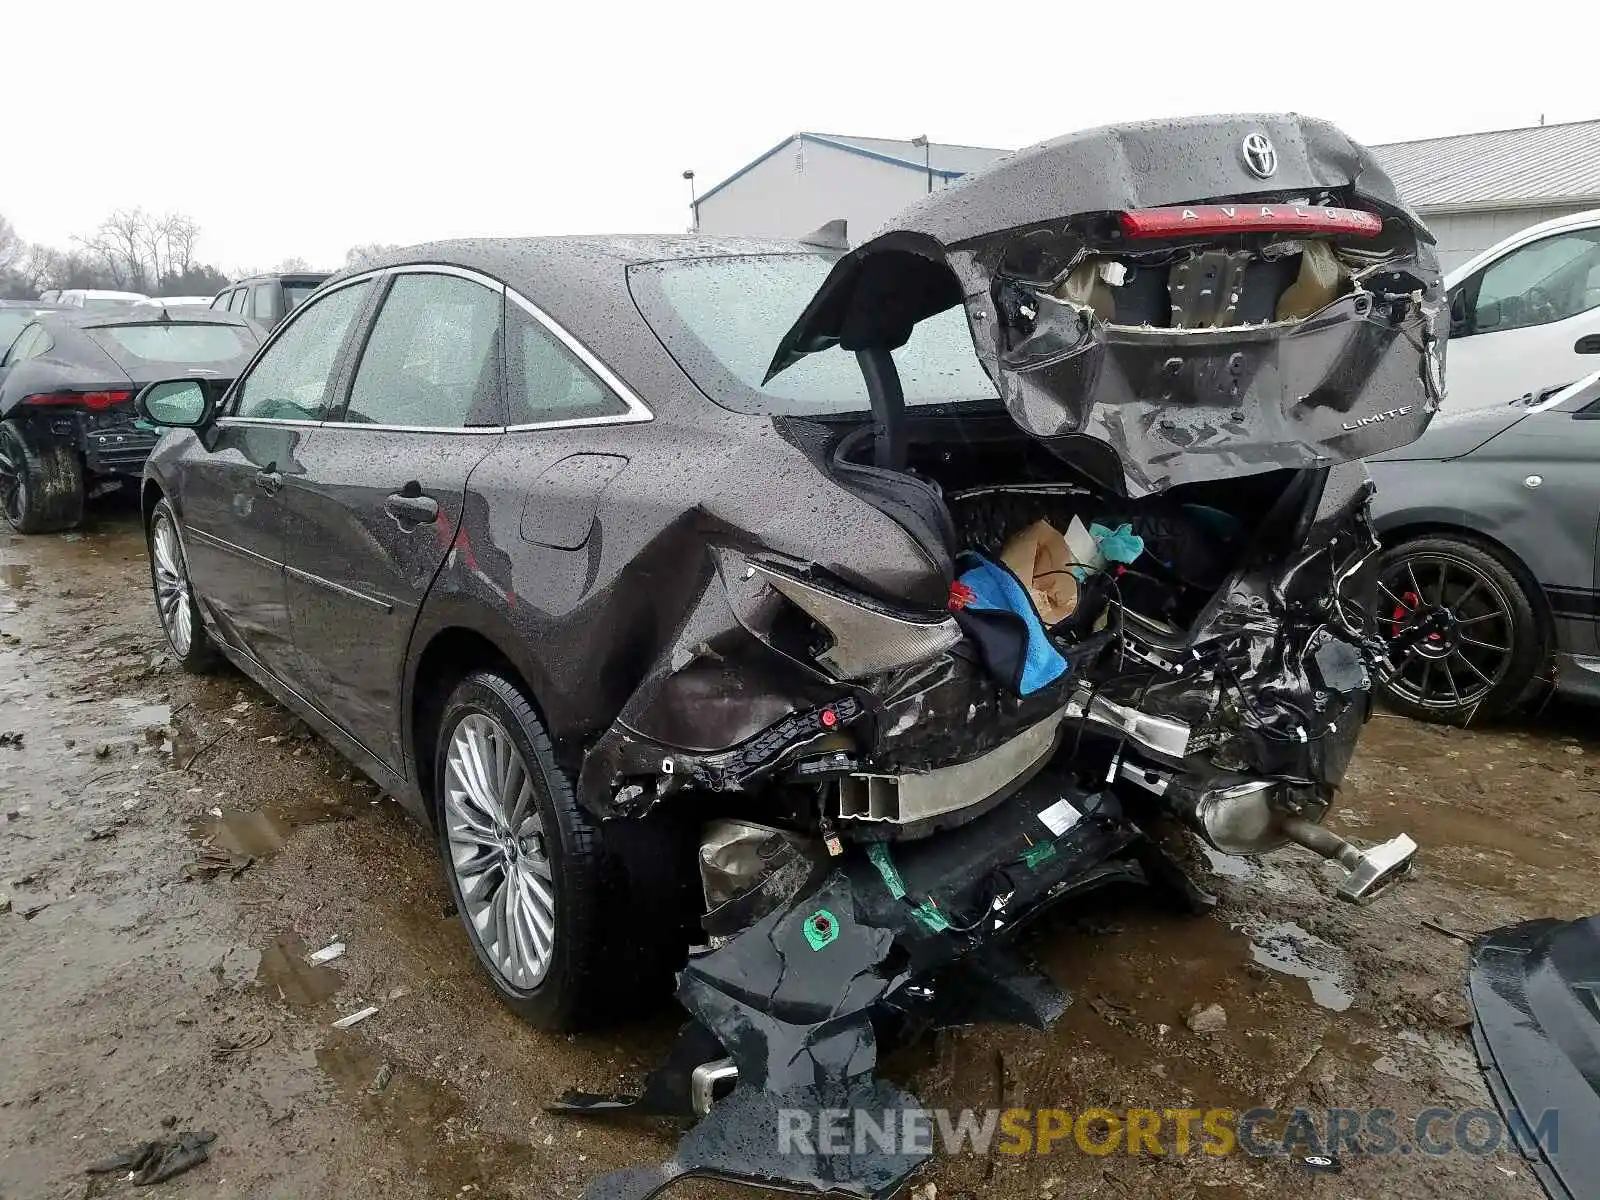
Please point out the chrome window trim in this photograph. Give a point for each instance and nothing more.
(637, 411)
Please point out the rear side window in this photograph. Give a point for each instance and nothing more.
(31, 343)
(264, 302)
(12, 322)
(290, 381)
(173, 343)
(295, 294)
(432, 360)
(546, 380)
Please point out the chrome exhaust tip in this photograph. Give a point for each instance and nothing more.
(1377, 868)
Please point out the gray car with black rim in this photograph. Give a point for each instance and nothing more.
(1487, 586)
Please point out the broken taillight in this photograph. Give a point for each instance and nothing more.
(1185, 220)
(94, 401)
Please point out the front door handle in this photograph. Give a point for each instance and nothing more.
(412, 510)
(1589, 343)
(269, 480)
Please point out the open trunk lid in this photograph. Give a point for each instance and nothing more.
(1168, 302)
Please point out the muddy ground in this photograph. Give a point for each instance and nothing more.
(135, 996)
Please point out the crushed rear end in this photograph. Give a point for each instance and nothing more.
(1196, 329)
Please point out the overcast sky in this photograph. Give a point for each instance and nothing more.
(290, 128)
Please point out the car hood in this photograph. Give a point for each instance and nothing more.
(1452, 435)
(1141, 407)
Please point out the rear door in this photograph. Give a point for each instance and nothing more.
(1526, 323)
(375, 507)
(230, 486)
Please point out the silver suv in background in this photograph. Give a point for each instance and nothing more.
(267, 299)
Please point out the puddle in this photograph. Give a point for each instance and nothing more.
(286, 976)
(245, 831)
(14, 576)
(141, 714)
(1285, 947)
(1248, 870)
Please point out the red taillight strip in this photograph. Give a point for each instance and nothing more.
(95, 401)
(1248, 218)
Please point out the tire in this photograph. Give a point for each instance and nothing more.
(41, 481)
(608, 938)
(1492, 655)
(186, 634)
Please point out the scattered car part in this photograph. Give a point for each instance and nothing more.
(356, 1017)
(1536, 1028)
(159, 1160)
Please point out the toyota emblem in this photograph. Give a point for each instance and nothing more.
(1260, 156)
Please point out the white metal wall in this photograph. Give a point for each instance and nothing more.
(804, 185)
(1463, 234)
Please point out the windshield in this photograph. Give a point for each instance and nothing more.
(722, 319)
(174, 343)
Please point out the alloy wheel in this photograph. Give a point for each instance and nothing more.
(1466, 649)
(172, 585)
(498, 850)
(12, 494)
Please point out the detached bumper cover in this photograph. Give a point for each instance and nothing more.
(1536, 1027)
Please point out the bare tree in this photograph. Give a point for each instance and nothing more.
(180, 233)
(292, 266)
(360, 256)
(12, 249)
(119, 246)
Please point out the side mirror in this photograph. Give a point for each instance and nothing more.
(176, 403)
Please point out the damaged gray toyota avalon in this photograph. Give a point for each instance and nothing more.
(822, 614)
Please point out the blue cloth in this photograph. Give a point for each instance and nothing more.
(1005, 647)
(1119, 545)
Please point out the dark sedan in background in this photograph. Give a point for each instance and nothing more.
(67, 383)
(1489, 574)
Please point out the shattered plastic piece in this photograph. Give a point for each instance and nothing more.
(355, 1018)
(1119, 545)
(11, 738)
(158, 1161)
(327, 954)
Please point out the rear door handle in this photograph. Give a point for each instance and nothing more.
(1589, 343)
(269, 481)
(411, 510)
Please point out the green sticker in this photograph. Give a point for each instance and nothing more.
(822, 929)
(932, 917)
(1036, 855)
(878, 852)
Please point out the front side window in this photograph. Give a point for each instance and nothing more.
(220, 300)
(546, 382)
(31, 342)
(1544, 281)
(236, 301)
(12, 322)
(432, 360)
(291, 381)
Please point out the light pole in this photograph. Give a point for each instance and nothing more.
(927, 157)
(694, 207)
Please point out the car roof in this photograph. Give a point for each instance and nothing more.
(285, 276)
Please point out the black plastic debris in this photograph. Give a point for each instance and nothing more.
(897, 939)
(1536, 1026)
(158, 1161)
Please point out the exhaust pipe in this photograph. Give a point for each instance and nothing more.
(1371, 872)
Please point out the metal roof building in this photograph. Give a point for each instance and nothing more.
(1473, 188)
(811, 178)
(1476, 188)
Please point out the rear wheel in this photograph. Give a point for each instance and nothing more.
(565, 932)
(191, 645)
(41, 481)
(1485, 650)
